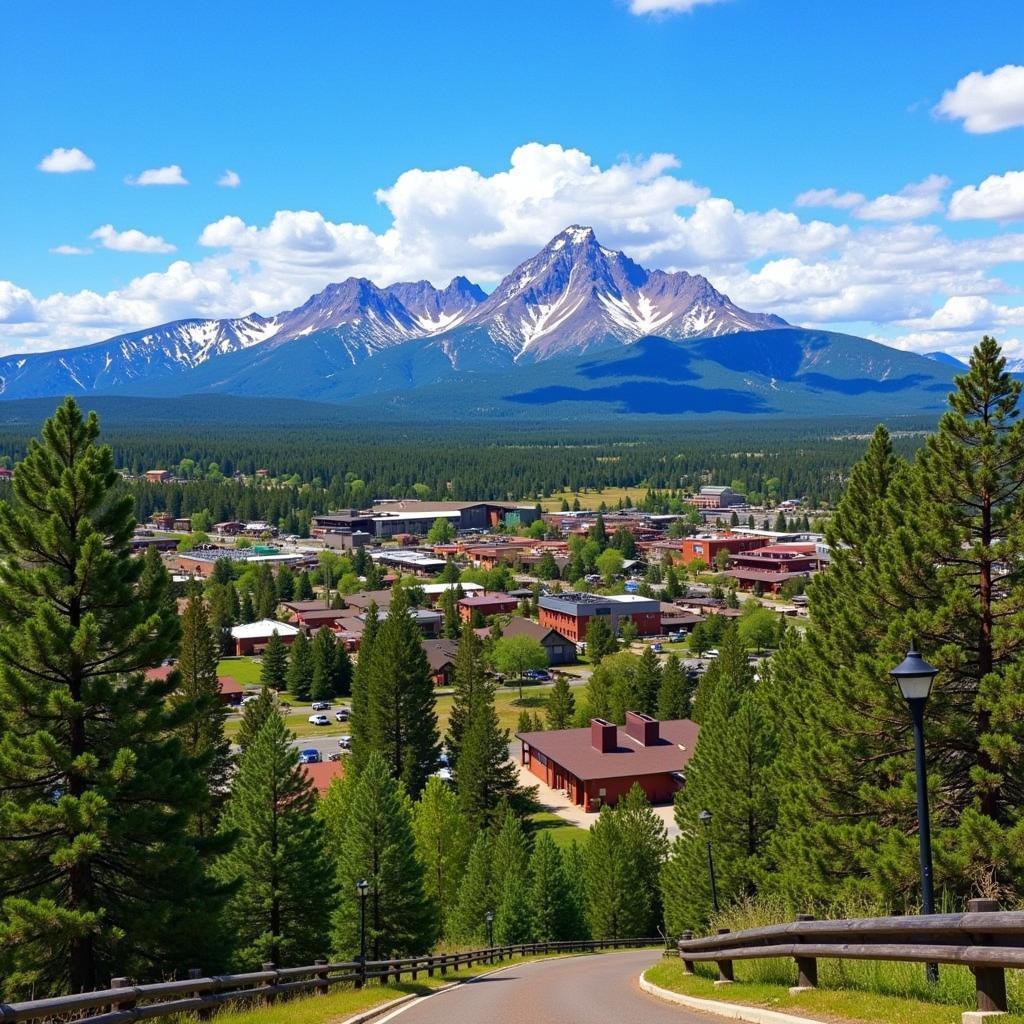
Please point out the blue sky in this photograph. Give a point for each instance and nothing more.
(318, 107)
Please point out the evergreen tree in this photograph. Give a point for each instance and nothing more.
(443, 840)
(99, 874)
(450, 611)
(675, 695)
(470, 681)
(561, 705)
(299, 678)
(648, 682)
(645, 840)
(323, 657)
(254, 716)
(551, 913)
(600, 641)
(285, 584)
(574, 865)
(246, 611)
(304, 587)
(379, 848)
(265, 598)
(280, 910)
(672, 588)
(510, 882)
(450, 572)
(618, 906)
(467, 924)
(402, 720)
(274, 664)
(155, 579)
(202, 734)
(360, 719)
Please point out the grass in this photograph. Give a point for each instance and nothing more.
(592, 499)
(756, 986)
(561, 831)
(244, 670)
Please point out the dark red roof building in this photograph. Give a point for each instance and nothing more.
(486, 605)
(598, 765)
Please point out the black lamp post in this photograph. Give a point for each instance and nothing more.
(705, 820)
(363, 888)
(489, 918)
(914, 676)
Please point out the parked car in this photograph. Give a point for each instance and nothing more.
(538, 675)
(342, 715)
(310, 756)
(336, 756)
(321, 705)
(318, 720)
(345, 742)
(444, 774)
(657, 648)
(249, 698)
(713, 653)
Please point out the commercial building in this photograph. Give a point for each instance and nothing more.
(716, 497)
(599, 764)
(487, 605)
(570, 614)
(706, 546)
(253, 637)
(409, 516)
(200, 561)
(773, 566)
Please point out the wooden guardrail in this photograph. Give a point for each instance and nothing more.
(985, 939)
(124, 1002)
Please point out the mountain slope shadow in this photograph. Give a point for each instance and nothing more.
(647, 397)
(863, 385)
(653, 358)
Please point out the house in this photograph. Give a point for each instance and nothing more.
(598, 765)
(158, 476)
(162, 520)
(441, 654)
(5, 473)
(313, 619)
(487, 605)
(183, 524)
(230, 691)
(570, 614)
(231, 528)
(252, 637)
(560, 649)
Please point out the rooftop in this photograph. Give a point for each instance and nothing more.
(262, 628)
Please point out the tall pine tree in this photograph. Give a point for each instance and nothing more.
(299, 677)
(443, 840)
(274, 664)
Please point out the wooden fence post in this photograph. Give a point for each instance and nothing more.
(320, 977)
(725, 976)
(806, 966)
(989, 982)
(197, 972)
(687, 964)
(270, 996)
(125, 1004)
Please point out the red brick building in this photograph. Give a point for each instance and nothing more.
(706, 547)
(773, 566)
(570, 614)
(486, 605)
(598, 765)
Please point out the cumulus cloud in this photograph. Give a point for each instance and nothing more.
(986, 103)
(998, 197)
(892, 273)
(131, 240)
(229, 179)
(667, 6)
(913, 201)
(170, 175)
(70, 250)
(65, 161)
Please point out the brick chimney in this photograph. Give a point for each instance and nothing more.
(642, 728)
(604, 736)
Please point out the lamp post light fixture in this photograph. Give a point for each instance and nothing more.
(489, 918)
(705, 819)
(914, 676)
(363, 889)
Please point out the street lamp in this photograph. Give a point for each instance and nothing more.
(914, 676)
(705, 820)
(489, 918)
(363, 889)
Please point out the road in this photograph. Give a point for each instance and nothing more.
(569, 990)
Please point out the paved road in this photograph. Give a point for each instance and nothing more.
(571, 990)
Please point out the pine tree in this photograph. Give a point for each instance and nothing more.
(672, 588)
(551, 914)
(510, 882)
(600, 641)
(280, 910)
(379, 848)
(98, 868)
(343, 671)
(202, 735)
(246, 611)
(323, 659)
(402, 720)
(470, 681)
(359, 723)
(467, 923)
(644, 837)
(299, 678)
(450, 610)
(265, 598)
(618, 905)
(304, 587)
(648, 682)
(155, 579)
(561, 705)
(254, 716)
(676, 693)
(574, 865)
(443, 840)
(274, 664)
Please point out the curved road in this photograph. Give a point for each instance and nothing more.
(568, 990)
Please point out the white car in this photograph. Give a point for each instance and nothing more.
(713, 653)
(321, 705)
(250, 698)
(318, 720)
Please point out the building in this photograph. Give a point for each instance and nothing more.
(230, 691)
(773, 566)
(158, 476)
(252, 637)
(323, 773)
(419, 563)
(410, 516)
(598, 765)
(559, 649)
(705, 547)
(162, 520)
(433, 592)
(441, 655)
(200, 561)
(570, 614)
(487, 605)
(183, 524)
(716, 497)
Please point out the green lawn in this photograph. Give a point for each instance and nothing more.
(562, 831)
(836, 1005)
(243, 670)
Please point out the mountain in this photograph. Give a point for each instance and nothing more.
(945, 357)
(575, 295)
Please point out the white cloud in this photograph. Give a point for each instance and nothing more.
(887, 277)
(913, 201)
(229, 179)
(159, 176)
(829, 197)
(986, 103)
(70, 250)
(998, 197)
(667, 6)
(65, 161)
(131, 240)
